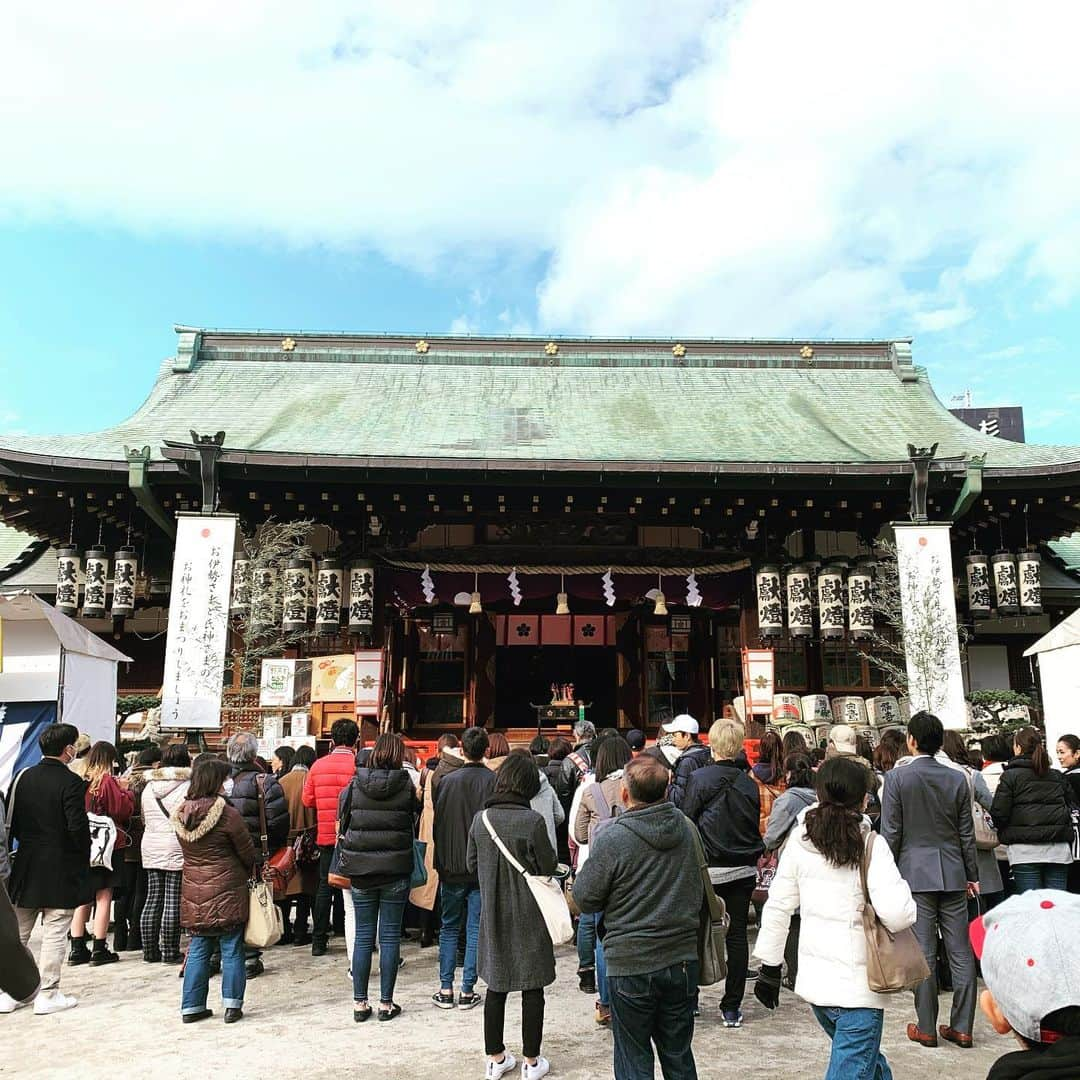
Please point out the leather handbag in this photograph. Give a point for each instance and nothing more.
(546, 891)
(419, 867)
(264, 923)
(712, 924)
(334, 877)
(894, 961)
(305, 848)
(280, 868)
(986, 837)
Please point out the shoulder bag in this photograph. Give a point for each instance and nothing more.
(265, 925)
(546, 892)
(894, 961)
(103, 838)
(986, 837)
(712, 924)
(279, 868)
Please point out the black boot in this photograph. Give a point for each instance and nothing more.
(120, 937)
(79, 953)
(101, 954)
(135, 940)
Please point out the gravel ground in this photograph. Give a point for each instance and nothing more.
(298, 1023)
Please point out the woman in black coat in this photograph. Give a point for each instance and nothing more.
(375, 813)
(515, 951)
(1032, 816)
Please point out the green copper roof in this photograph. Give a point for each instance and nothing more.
(1067, 549)
(505, 400)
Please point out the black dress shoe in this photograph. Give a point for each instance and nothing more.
(194, 1018)
(254, 969)
(232, 1015)
(318, 947)
(301, 939)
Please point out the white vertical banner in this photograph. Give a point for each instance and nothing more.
(928, 610)
(198, 621)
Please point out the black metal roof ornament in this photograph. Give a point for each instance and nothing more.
(920, 481)
(209, 448)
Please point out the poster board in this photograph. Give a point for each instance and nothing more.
(333, 678)
(759, 677)
(369, 682)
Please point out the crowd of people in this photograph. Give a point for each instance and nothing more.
(972, 852)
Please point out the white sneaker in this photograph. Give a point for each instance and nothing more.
(497, 1069)
(534, 1072)
(44, 1004)
(8, 1004)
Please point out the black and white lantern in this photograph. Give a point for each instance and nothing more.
(125, 574)
(68, 565)
(328, 597)
(978, 585)
(240, 602)
(264, 588)
(295, 595)
(97, 574)
(770, 611)
(361, 597)
(830, 591)
(1006, 593)
(861, 600)
(1029, 576)
(800, 602)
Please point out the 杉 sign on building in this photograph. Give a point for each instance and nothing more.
(758, 668)
(198, 621)
(369, 681)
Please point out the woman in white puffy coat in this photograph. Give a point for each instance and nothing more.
(819, 873)
(162, 858)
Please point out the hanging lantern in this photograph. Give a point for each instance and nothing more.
(1029, 576)
(1006, 593)
(241, 588)
(68, 565)
(97, 573)
(264, 595)
(800, 602)
(978, 585)
(125, 576)
(361, 597)
(861, 600)
(295, 593)
(562, 606)
(830, 591)
(770, 611)
(659, 600)
(328, 587)
(475, 606)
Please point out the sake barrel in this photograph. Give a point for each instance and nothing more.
(815, 709)
(883, 711)
(849, 710)
(786, 709)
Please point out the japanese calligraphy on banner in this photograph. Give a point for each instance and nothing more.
(758, 679)
(198, 621)
(928, 612)
(369, 679)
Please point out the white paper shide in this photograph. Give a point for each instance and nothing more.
(198, 622)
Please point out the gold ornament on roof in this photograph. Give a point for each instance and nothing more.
(678, 351)
(422, 346)
(551, 348)
(806, 352)
(288, 345)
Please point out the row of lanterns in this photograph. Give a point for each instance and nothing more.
(842, 607)
(69, 565)
(306, 596)
(1010, 583)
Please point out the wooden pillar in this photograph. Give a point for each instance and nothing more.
(481, 687)
(629, 646)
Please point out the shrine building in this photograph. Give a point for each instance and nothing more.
(511, 516)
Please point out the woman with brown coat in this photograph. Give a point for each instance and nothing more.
(302, 885)
(219, 857)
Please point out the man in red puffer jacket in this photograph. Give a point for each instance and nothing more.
(326, 779)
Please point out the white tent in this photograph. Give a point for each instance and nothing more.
(49, 657)
(1059, 674)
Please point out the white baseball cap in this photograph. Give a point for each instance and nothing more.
(684, 722)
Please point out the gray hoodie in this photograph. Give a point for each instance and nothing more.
(643, 874)
(546, 803)
(789, 804)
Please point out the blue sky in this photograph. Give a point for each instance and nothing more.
(699, 169)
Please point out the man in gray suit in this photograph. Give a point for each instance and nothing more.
(926, 821)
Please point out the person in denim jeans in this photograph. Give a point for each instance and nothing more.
(219, 857)
(377, 815)
(459, 796)
(642, 873)
(819, 873)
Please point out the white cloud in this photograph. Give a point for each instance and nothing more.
(464, 325)
(762, 168)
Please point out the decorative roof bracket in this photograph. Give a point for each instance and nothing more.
(209, 448)
(972, 489)
(921, 456)
(139, 483)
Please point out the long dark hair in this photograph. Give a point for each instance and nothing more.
(207, 776)
(834, 827)
(890, 749)
(612, 754)
(798, 771)
(1031, 746)
(771, 753)
(388, 752)
(954, 747)
(794, 743)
